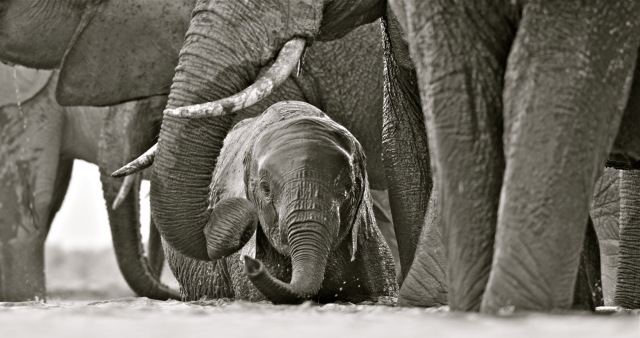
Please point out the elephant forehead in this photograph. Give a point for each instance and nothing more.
(319, 162)
(309, 131)
(302, 143)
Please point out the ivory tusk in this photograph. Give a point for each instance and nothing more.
(124, 190)
(144, 161)
(283, 66)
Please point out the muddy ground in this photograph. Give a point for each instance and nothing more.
(89, 298)
(141, 317)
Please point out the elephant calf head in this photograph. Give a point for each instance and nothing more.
(304, 184)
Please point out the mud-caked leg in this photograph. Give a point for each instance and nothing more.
(30, 174)
(460, 50)
(566, 84)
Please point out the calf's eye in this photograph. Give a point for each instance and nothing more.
(265, 188)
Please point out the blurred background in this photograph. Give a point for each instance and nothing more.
(79, 258)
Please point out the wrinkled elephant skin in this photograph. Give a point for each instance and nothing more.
(605, 212)
(628, 278)
(495, 103)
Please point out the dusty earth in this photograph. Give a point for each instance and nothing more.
(141, 317)
(80, 281)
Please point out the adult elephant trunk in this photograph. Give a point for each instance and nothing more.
(136, 269)
(311, 226)
(125, 133)
(217, 60)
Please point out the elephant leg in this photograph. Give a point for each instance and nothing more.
(460, 63)
(605, 213)
(382, 213)
(425, 284)
(405, 155)
(22, 270)
(587, 293)
(156, 253)
(63, 177)
(628, 282)
(29, 177)
(127, 128)
(562, 111)
(127, 242)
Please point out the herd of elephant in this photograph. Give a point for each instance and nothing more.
(444, 152)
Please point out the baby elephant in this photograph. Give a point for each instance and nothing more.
(290, 190)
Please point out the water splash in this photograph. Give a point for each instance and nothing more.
(19, 101)
(22, 155)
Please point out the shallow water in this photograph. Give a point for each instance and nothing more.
(142, 317)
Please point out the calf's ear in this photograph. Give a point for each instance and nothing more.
(128, 50)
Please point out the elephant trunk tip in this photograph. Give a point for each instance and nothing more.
(252, 267)
(275, 290)
(128, 182)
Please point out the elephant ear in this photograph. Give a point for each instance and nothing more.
(129, 49)
(364, 219)
(233, 222)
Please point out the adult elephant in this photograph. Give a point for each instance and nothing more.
(500, 86)
(496, 106)
(39, 142)
(137, 58)
(460, 73)
(88, 22)
(354, 104)
(504, 103)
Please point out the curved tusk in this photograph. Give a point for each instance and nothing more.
(143, 162)
(284, 65)
(124, 191)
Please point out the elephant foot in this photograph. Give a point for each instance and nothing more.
(22, 276)
(426, 284)
(415, 294)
